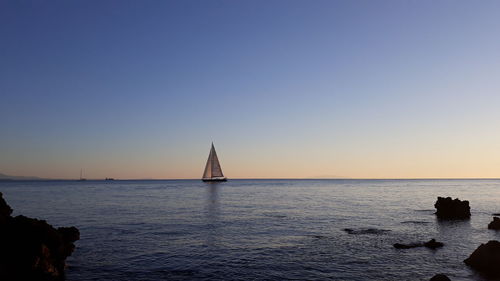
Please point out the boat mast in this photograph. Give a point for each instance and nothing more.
(212, 152)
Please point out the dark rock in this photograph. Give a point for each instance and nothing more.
(31, 249)
(486, 259)
(431, 244)
(5, 209)
(440, 277)
(365, 231)
(495, 224)
(448, 208)
(496, 214)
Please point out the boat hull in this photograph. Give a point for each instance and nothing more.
(214, 180)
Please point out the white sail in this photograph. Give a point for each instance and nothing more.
(216, 169)
(208, 168)
(213, 169)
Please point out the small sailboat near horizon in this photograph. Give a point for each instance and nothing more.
(81, 176)
(213, 171)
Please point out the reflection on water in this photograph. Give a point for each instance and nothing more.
(212, 210)
(212, 203)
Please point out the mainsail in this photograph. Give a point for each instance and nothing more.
(213, 169)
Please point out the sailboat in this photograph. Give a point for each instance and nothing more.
(81, 176)
(213, 171)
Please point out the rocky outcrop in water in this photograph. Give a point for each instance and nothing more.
(486, 259)
(440, 277)
(431, 244)
(448, 208)
(495, 224)
(31, 249)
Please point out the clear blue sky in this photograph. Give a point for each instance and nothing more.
(139, 89)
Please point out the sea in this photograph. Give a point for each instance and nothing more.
(261, 229)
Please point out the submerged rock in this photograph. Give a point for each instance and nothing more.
(486, 258)
(431, 244)
(365, 231)
(31, 249)
(495, 224)
(440, 277)
(448, 208)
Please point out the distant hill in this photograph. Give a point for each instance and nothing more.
(8, 177)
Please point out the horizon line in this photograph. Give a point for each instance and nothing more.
(306, 178)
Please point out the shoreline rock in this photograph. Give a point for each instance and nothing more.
(486, 258)
(32, 249)
(448, 208)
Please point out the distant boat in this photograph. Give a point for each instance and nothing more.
(110, 179)
(81, 176)
(213, 171)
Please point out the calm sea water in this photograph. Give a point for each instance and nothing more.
(260, 229)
